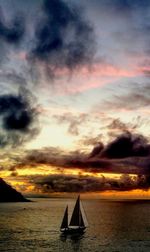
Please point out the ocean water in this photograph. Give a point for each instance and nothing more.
(113, 226)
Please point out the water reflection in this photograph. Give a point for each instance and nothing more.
(73, 237)
(73, 240)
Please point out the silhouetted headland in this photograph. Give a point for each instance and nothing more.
(9, 194)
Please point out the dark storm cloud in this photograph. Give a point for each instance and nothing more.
(57, 158)
(127, 145)
(64, 183)
(17, 116)
(13, 31)
(16, 112)
(61, 160)
(127, 154)
(71, 183)
(96, 150)
(50, 156)
(63, 38)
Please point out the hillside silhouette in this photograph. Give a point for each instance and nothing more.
(9, 194)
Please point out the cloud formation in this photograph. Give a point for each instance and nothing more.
(126, 145)
(63, 38)
(13, 31)
(58, 40)
(74, 121)
(17, 116)
(80, 184)
(127, 154)
(127, 99)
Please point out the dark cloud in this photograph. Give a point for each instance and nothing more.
(96, 150)
(61, 160)
(72, 183)
(63, 38)
(50, 156)
(126, 145)
(69, 183)
(13, 31)
(18, 117)
(127, 154)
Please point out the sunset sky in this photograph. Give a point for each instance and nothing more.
(75, 96)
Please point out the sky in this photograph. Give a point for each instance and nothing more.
(75, 95)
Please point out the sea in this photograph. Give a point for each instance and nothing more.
(113, 225)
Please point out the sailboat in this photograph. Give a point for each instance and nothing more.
(77, 223)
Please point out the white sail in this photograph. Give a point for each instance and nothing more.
(83, 215)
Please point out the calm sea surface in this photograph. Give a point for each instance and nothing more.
(113, 226)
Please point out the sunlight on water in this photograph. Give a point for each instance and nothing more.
(113, 226)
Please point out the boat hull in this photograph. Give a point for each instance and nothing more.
(79, 230)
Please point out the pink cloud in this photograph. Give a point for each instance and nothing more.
(95, 76)
(89, 78)
(100, 70)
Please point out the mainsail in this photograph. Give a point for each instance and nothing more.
(77, 218)
(77, 222)
(65, 219)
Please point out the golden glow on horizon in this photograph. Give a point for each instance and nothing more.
(22, 184)
(134, 194)
(24, 175)
(26, 187)
(51, 170)
(22, 181)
